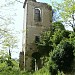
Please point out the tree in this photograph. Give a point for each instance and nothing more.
(44, 46)
(57, 26)
(57, 47)
(63, 56)
(66, 10)
(3, 56)
(50, 38)
(6, 19)
(7, 12)
(9, 42)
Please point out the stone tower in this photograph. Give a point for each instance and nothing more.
(37, 18)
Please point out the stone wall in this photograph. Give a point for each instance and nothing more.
(21, 61)
(32, 28)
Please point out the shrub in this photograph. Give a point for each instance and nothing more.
(43, 71)
(63, 56)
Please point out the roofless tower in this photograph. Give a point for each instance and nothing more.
(37, 18)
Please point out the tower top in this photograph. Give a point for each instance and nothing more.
(26, 1)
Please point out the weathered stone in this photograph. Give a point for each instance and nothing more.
(37, 18)
(21, 61)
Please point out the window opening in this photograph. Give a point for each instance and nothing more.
(37, 39)
(37, 14)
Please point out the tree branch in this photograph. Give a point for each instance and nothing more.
(70, 23)
(19, 1)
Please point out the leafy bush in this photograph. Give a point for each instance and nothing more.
(63, 56)
(60, 43)
(13, 71)
(58, 25)
(43, 71)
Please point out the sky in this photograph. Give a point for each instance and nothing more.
(17, 12)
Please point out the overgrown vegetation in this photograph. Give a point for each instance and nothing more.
(56, 46)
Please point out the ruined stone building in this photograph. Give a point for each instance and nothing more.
(37, 18)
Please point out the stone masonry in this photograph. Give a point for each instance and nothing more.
(37, 19)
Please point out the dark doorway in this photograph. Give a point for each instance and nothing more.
(36, 62)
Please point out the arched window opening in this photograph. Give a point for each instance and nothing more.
(37, 14)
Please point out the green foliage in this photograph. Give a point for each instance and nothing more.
(43, 71)
(57, 37)
(44, 45)
(13, 71)
(49, 38)
(10, 41)
(10, 66)
(57, 25)
(46, 71)
(59, 46)
(63, 56)
(67, 15)
(7, 34)
(5, 62)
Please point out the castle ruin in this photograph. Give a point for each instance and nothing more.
(37, 18)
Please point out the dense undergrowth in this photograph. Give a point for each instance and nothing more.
(16, 71)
